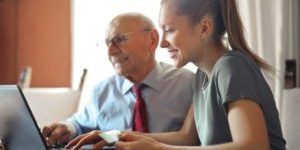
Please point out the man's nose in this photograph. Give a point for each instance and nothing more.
(112, 49)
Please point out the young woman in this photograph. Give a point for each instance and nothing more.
(233, 107)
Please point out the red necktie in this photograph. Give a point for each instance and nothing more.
(139, 114)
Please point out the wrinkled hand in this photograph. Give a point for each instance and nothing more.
(133, 141)
(56, 133)
(88, 138)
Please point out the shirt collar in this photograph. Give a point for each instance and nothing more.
(126, 86)
(152, 80)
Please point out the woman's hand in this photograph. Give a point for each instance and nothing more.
(88, 138)
(133, 141)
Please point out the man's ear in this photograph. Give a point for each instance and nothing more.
(205, 27)
(154, 38)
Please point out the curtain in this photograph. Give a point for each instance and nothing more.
(270, 31)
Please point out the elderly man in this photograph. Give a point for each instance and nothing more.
(141, 96)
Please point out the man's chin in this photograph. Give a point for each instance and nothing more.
(121, 72)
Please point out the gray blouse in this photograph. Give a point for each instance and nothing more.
(235, 76)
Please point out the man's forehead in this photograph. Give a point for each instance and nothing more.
(113, 30)
(124, 25)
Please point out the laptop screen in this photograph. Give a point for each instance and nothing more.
(18, 128)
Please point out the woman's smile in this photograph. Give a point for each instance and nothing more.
(173, 53)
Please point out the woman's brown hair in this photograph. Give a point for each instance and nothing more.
(226, 20)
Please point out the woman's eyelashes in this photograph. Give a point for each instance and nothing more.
(169, 30)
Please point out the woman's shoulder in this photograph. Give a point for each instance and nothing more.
(235, 59)
(236, 63)
(233, 56)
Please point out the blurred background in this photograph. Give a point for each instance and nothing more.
(58, 38)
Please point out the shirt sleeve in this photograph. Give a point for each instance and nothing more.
(237, 79)
(85, 120)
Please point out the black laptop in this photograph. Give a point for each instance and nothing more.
(18, 127)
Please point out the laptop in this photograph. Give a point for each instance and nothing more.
(18, 127)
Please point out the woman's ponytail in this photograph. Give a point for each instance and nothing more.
(234, 27)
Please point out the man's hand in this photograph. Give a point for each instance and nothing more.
(57, 133)
(88, 138)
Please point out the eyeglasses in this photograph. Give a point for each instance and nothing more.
(120, 39)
